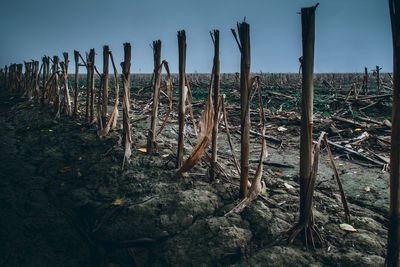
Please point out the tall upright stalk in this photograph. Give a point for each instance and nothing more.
(67, 98)
(182, 95)
(307, 96)
(106, 55)
(126, 66)
(57, 101)
(92, 92)
(365, 83)
(378, 80)
(216, 86)
(151, 141)
(392, 258)
(76, 82)
(308, 166)
(88, 80)
(244, 47)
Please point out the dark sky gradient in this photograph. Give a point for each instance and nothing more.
(350, 34)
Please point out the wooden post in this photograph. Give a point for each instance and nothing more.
(76, 82)
(151, 139)
(392, 258)
(216, 86)
(106, 55)
(126, 65)
(244, 46)
(182, 95)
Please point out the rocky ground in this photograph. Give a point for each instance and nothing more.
(66, 200)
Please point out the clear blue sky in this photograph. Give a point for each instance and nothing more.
(350, 34)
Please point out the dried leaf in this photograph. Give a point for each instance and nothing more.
(65, 169)
(118, 201)
(367, 189)
(196, 155)
(203, 138)
(277, 173)
(347, 227)
(288, 186)
(144, 150)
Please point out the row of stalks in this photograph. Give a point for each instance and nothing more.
(49, 85)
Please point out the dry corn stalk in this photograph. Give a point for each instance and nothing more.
(169, 95)
(76, 82)
(392, 258)
(67, 98)
(181, 107)
(308, 167)
(151, 141)
(257, 187)
(127, 138)
(92, 89)
(112, 122)
(244, 47)
(307, 225)
(56, 87)
(217, 104)
(88, 80)
(203, 138)
(151, 137)
(106, 55)
(37, 80)
(343, 197)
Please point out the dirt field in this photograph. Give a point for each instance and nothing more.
(66, 201)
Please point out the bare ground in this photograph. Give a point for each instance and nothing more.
(66, 201)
